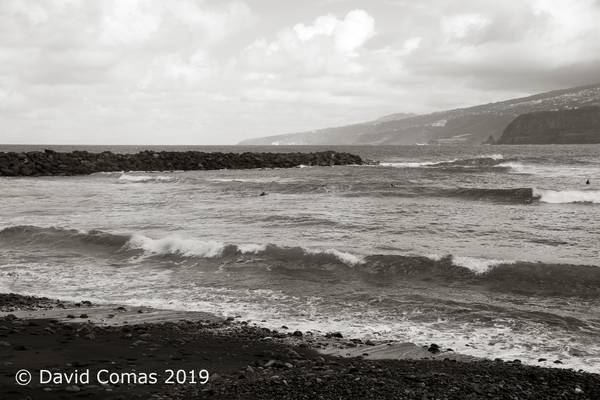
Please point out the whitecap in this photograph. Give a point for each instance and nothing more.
(176, 245)
(567, 196)
(145, 178)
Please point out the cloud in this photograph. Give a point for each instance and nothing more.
(326, 46)
(127, 22)
(464, 26)
(348, 34)
(354, 31)
(214, 71)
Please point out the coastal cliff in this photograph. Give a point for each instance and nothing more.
(48, 162)
(575, 126)
(471, 125)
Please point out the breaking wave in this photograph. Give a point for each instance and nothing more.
(567, 196)
(574, 169)
(499, 275)
(484, 160)
(511, 195)
(500, 195)
(126, 178)
(175, 245)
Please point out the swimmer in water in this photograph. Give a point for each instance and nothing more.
(587, 182)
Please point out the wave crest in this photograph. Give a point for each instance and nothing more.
(299, 262)
(175, 245)
(61, 237)
(126, 178)
(567, 196)
(178, 246)
(484, 160)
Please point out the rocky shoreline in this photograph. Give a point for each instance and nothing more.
(244, 362)
(49, 162)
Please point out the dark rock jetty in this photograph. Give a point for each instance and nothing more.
(48, 162)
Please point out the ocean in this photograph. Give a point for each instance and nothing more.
(492, 251)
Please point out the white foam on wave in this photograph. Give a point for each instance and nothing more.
(419, 164)
(496, 156)
(567, 196)
(176, 245)
(478, 265)
(145, 178)
(347, 258)
(414, 164)
(274, 179)
(251, 248)
(551, 170)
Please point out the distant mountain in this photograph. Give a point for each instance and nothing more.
(465, 125)
(580, 125)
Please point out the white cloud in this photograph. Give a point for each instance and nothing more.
(464, 25)
(354, 31)
(324, 25)
(346, 35)
(411, 44)
(328, 46)
(128, 22)
(173, 71)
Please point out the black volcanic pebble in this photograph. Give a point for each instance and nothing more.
(434, 348)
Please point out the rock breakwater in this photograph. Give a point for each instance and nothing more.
(48, 162)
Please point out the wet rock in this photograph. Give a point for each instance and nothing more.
(275, 364)
(249, 374)
(433, 348)
(82, 162)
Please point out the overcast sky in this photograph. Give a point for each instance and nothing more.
(216, 72)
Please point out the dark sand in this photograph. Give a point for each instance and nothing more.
(244, 362)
